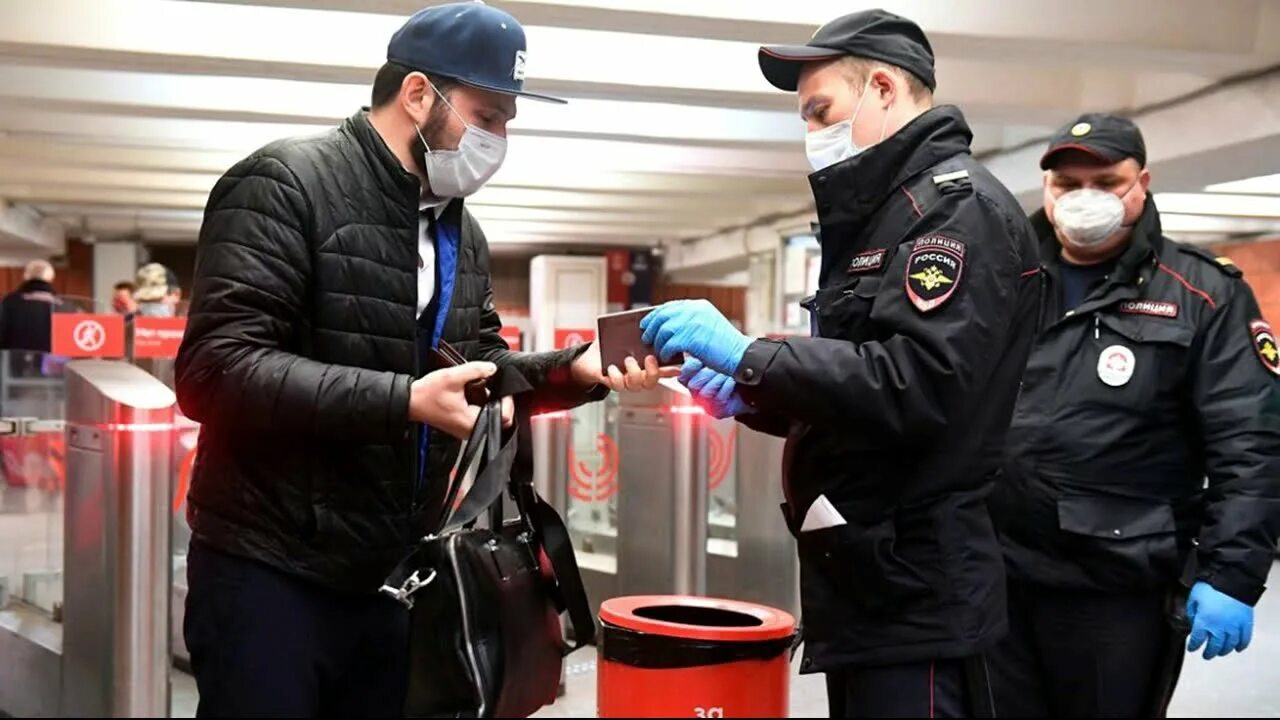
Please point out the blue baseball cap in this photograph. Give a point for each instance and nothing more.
(470, 42)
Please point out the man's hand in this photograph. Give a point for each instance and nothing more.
(587, 371)
(438, 398)
(1223, 620)
(697, 328)
(508, 411)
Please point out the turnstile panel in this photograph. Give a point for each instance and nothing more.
(662, 502)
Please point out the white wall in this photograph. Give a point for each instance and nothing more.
(112, 263)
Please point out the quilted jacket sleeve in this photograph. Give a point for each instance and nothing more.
(240, 364)
(547, 372)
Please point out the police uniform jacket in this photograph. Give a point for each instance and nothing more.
(1146, 441)
(896, 409)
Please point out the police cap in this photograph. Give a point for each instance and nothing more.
(871, 34)
(1110, 138)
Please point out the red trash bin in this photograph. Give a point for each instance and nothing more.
(680, 656)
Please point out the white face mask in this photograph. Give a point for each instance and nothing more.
(459, 173)
(1088, 216)
(835, 144)
(156, 309)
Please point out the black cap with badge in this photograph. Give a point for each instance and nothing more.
(870, 34)
(472, 43)
(1109, 138)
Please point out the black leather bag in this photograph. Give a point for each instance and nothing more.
(486, 636)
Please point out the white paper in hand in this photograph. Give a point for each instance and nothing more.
(822, 514)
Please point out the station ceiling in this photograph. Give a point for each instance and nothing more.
(117, 116)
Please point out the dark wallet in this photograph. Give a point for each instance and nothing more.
(446, 356)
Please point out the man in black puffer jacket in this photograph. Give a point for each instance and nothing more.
(327, 268)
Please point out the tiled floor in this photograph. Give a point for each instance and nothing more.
(1245, 685)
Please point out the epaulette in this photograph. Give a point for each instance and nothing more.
(1221, 262)
(948, 176)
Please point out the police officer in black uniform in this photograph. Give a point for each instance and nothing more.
(1154, 369)
(896, 410)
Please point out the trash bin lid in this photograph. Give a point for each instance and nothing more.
(698, 618)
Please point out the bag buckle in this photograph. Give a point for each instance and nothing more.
(411, 585)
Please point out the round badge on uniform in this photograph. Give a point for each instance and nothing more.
(1115, 365)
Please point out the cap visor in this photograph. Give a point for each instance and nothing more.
(518, 93)
(781, 64)
(1046, 160)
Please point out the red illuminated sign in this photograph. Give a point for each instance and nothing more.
(569, 337)
(720, 451)
(157, 337)
(84, 335)
(599, 483)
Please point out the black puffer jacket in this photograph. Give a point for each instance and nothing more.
(301, 347)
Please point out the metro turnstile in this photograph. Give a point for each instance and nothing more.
(762, 566)
(118, 558)
(662, 494)
(667, 455)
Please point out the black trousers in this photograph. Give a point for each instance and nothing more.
(264, 644)
(1085, 655)
(934, 689)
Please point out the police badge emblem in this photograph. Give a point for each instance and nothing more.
(934, 270)
(1264, 342)
(1116, 365)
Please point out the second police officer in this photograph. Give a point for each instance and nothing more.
(1143, 476)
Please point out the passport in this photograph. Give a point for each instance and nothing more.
(621, 337)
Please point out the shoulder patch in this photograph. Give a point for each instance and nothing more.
(934, 270)
(1264, 341)
(1224, 264)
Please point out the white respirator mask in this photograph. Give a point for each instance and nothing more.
(459, 173)
(1088, 216)
(835, 144)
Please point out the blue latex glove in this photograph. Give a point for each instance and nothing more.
(697, 328)
(1226, 622)
(715, 391)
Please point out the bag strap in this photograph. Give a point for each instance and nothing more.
(495, 430)
(564, 564)
(506, 382)
(407, 577)
(550, 534)
(493, 476)
(470, 455)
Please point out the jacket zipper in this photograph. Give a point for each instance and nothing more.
(467, 640)
(1043, 309)
(420, 460)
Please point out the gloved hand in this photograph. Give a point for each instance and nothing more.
(697, 328)
(716, 392)
(1226, 622)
